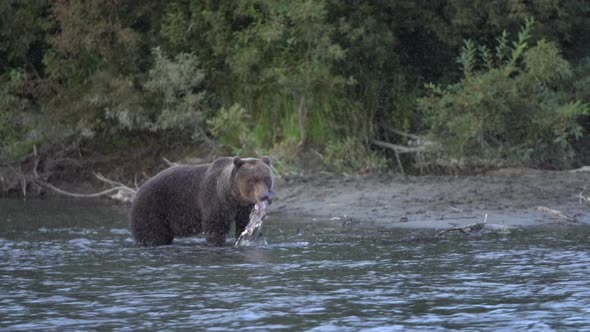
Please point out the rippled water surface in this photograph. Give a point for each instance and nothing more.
(70, 265)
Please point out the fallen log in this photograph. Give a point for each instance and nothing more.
(556, 213)
(119, 192)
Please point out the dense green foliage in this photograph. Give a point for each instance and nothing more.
(297, 80)
(510, 105)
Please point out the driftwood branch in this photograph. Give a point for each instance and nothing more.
(583, 196)
(556, 213)
(401, 148)
(111, 182)
(404, 134)
(477, 228)
(467, 229)
(67, 193)
(120, 192)
(421, 147)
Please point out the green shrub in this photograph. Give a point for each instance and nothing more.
(352, 156)
(17, 123)
(508, 107)
(581, 85)
(230, 127)
(170, 102)
(177, 86)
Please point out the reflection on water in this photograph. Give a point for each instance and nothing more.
(70, 265)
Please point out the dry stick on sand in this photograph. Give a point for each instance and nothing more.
(556, 213)
(582, 196)
(467, 229)
(477, 228)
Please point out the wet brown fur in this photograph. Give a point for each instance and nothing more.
(188, 200)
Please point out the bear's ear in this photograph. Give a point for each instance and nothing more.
(238, 162)
(265, 160)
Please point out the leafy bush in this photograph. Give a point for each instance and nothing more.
(177, 85)
(17, 136)
(231, 129)
(170, 102)
(581, 81)
(352, 156)
(116, 73)
(509, 106)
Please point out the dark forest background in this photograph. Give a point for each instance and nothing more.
(328, 84)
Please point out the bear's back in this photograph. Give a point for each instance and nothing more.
(170, 196)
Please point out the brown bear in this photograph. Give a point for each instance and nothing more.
(191, 199)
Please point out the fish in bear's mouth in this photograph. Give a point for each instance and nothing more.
(251, 233)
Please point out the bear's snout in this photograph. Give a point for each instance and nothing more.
(268, 196)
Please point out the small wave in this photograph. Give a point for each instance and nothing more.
(81, 242)
(119, 231)
(72, 230)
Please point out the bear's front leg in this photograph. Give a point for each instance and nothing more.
(216, 239)
(216, 227)
(242, 219)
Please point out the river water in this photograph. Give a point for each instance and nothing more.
(70, 265)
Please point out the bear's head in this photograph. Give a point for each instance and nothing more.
(253, 180)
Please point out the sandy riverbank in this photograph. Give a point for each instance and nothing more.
(508, 197)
